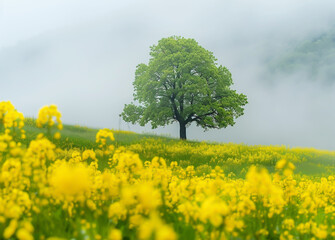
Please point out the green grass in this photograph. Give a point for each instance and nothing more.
(83, 137)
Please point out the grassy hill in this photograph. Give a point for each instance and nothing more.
(204, 156)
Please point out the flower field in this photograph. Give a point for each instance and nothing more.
(57, 184)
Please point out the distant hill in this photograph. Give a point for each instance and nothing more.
(314, 58)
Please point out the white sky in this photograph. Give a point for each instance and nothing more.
(81, 55)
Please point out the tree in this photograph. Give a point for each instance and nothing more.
(183, 83)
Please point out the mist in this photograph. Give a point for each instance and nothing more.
(82, 55)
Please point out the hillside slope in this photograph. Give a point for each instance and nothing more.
(203, 156)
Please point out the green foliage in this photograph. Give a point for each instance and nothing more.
(183, 83)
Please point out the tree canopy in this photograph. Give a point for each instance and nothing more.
(183, 83)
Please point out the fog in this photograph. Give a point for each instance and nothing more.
(82, 55)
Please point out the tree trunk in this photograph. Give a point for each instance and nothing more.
(182, 131)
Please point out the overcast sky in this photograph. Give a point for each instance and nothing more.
(82, 55)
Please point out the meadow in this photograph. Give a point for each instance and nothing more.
(72, 182)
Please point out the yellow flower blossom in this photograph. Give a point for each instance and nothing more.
(115, 234)
(10, 229)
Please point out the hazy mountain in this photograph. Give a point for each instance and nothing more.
(314, 58)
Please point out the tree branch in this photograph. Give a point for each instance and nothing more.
(201, 116)
(175, 109)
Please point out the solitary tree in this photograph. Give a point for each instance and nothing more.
(183, 83)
